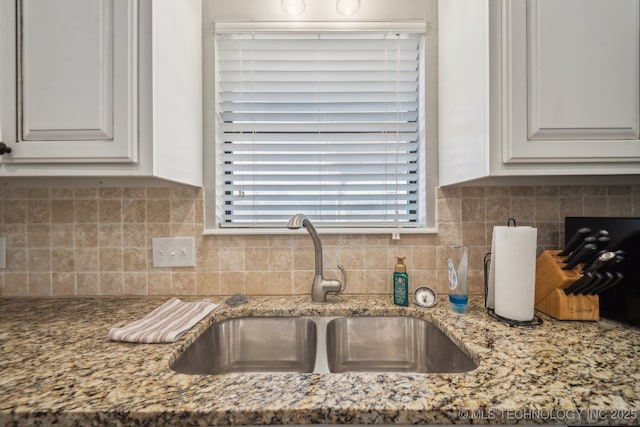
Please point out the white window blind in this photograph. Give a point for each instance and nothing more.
(322, 124)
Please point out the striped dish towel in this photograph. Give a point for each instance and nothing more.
(164, 324)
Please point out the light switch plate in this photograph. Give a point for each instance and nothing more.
(3, 252)
(173, 252)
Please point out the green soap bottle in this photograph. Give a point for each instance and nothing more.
(400, 283)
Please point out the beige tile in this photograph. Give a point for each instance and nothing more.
(39, 284)
(62, 235)
(546, 191)
(424, 257)
(182, 211)
(38, 260)
(38, 211)
(477, 192)
(547, 209)
(157, 230)
(111, 284)
(257, 259)
(448, 209)
(62, 260)
(280, 259)
(159, 283)
(15, 211)
(620, 206)
(86, 235)
(278, 283)
(472, 210)
(208, 283)
(302, 281)
(86, 259)
(110, 235)
(135, 283)
(110, 259)
(448, 234)
(109, 192)
(109, 211)
(134, 236)
(569, 206)
(374, 257)
(16, 260)
(522, 210)
(498, 209)
(37, 193)
(134, 193)
(38, 235)
(16, 235)
(183, 230)
(497, 192)
(257, 283)
(134, 259)
(207, 260)
(232, 282)
(62, 211)
(158, 211)
(473, 233)
(522, 192)
(85, 193)
(158, 192)
(379, 282)
(134, 211)
(231, 259)
(63, 284)
(87, 284)
(595, 206)
(85, 210)
(356, 283)
(593, 190)
(15, 285)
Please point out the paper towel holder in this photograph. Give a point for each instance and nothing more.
(536, 321)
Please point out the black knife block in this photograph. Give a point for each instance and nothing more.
(551, 280)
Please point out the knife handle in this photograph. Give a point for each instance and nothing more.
(601, 261)
(618, 278)
(605, 280)
(575, 241)
(581, 255)
(580, 283)
(585, 241)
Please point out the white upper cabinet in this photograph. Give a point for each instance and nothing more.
(548, 87)
(101, 88)
(76, 83)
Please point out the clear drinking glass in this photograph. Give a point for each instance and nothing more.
(457, 266)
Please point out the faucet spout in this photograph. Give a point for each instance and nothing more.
(321, 286)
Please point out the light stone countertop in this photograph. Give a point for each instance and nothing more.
(58, 366)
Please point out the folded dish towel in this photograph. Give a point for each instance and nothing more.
(164, 324)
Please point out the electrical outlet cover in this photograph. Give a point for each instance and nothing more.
(173, 252)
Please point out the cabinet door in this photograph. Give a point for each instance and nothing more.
(76, 82)
(571, 81)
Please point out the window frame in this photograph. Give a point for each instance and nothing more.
(427, 121)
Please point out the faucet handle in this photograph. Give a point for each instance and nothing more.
(343, 284)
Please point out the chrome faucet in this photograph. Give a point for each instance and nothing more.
(321, 286)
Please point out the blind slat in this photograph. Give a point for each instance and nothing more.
(325, 125)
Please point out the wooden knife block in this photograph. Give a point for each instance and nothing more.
(551, 280)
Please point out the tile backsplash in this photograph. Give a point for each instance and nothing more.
(97, 241)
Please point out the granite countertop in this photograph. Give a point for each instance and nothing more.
(57, 366)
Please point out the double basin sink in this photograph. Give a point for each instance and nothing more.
(323, 345)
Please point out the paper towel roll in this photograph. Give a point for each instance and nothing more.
(513, 272)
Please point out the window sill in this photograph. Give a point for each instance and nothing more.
(286, 231)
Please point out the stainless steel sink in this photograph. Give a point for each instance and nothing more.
(392, 344)
(252, 344)
(323, 345)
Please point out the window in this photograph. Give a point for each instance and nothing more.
(329, 124)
